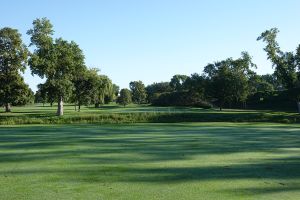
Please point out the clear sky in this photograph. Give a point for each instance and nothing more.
(151, 40)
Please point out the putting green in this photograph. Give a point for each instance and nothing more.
(151, 161)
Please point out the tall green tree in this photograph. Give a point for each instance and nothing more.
(125, 97)
(138, 90)
(177, 82)
(48, 92)
(156, 89)
(57, 60)
(85, 86)
(116, 91)
(104, 89)
(261, 84)
(272, 80)
(13, 60)
(229, 79)
(196, 85)
(40, 97)
(287, 64)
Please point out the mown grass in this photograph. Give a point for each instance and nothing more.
(113, 114)
(150, 161)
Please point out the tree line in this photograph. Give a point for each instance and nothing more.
(226, 83)
(58, 61)
(230, 83)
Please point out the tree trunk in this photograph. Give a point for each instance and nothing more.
(51, 104)
(79, 107)
(7, 107)
(298, 103)
(97, 105)
(60, 107)
(221, 105)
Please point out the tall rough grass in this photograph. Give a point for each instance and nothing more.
(153, 117)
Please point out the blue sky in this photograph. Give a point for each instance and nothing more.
(151, 40)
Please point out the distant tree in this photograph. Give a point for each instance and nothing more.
(25, 96)
(138, 90)
(38, 98)
(104, 89)
(228, 79)
(272, 80)
(156, 89)
(47, 92)
(196, 86)
(85, 86)
(220, 80)
(287, 64)
(112, 94)
(125, 97)
(116, 90)
(258, 83)
(13, 59)
(177, 82)
(40, 95)
(56, 60)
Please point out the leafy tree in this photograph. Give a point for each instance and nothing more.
(40, 97)
(13, 60)
(104, 89)
(287, 64)
(112, 94)
(272, 80)
(47, 92)
(116, 90)
(260, 83)
(85, 86)
(196, 86)
(229, 79)
(156, 89)
(138, 90)
(177, 82)
(25, 95)
(191, 92)
(56, 60)
(220, 78)
(125, 97)
(183, 98)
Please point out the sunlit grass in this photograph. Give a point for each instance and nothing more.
(150, 161)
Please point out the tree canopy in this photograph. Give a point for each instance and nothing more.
(138, 90)
(226, 83)
(55, 59)
(125, 97)
(287, 64)
(177, 82)
(13, 60)
(229, 79)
